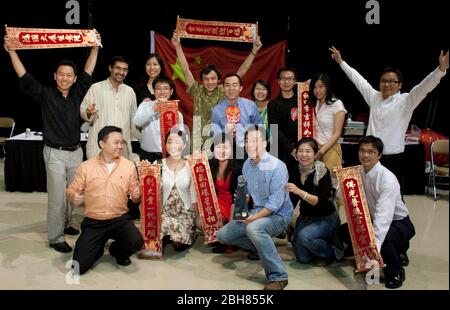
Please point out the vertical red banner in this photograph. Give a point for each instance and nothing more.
(206, 194)
(358, 219)
(306, 115)
(150, 177)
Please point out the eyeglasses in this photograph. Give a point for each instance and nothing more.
(118, 68)
(289, 79)
(390, 82)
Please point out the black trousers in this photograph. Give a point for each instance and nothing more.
(395, 243)
(395, 163)
(94, 235)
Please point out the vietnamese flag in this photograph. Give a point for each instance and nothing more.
(265, 66)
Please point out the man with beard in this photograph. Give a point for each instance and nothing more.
(110, 103)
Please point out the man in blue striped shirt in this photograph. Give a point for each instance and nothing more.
(266, 178)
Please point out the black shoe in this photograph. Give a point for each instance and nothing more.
(320, 262)
(221, 248)
(62, 247)
(253, 256)
(396, 281)
(71, 231)
(123, 261)
(404, 258)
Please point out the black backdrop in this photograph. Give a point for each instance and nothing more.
(409, 36)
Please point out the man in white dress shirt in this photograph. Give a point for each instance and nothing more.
(147, 118)
(110, 103)
(390, 110)
(391, 224)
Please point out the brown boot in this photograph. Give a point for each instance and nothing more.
(276, 285)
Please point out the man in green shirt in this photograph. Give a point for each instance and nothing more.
(208, 93)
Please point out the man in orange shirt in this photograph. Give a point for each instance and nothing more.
(104, 184)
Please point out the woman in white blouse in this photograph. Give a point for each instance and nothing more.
(330, 116)
(179, 209)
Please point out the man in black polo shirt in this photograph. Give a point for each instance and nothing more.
(60, 107)
(283, 112)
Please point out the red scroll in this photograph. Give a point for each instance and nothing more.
(168, 117)
(150, 176)
(34, 38)
(306, 116)
(358, 219)
(219, 31)
(206, 194)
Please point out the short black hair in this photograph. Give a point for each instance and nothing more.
(209, 68)
(118, 59)
(376, 142)
(231, 75)
(104, 133)
(307, 140)
(286, 68)
(165, 80)
(393, 70)
(69, 63)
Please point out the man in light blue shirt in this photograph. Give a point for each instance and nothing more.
(234, 113)
(266, 178)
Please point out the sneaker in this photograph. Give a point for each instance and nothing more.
(62, 247)
(71, 231)
(276, 285)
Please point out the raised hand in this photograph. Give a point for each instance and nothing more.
(443, 61)
(175, 39)
(98, 38)
(256, 45)
(335, 54)
(7, 44)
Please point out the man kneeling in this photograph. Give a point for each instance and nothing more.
(104, 184)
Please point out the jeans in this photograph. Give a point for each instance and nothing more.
(312, 238)
(257, 236)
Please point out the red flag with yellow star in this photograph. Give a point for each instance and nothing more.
(265, 66)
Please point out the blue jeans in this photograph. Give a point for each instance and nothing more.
(257, 236)
(312, 238)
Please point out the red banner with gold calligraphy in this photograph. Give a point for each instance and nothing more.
(306, 116)
(358, 219)
(206, 194)
(168, 117)
(150, 177)
(37, 38)
(219, 31)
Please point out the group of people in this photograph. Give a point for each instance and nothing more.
(302, 174)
